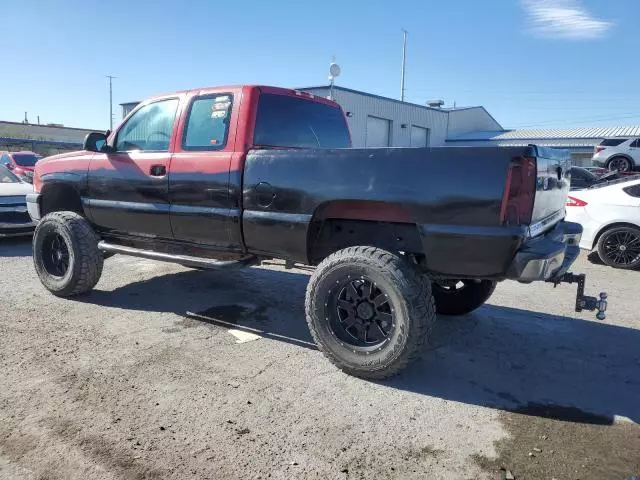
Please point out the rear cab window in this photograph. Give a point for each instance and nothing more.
(25, 159)
(288, 121)
(613, 142)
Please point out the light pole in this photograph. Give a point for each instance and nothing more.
(110, 77)
(404, 61)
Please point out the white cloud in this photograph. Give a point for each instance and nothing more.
(566, 19)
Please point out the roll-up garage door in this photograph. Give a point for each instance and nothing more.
(378, 132)
(419, 136)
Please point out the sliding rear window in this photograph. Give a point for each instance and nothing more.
(286, 121)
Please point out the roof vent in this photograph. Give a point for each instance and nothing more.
(437, 103)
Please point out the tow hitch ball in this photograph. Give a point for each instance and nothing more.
(584, 302)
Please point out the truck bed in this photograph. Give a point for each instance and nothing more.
(452, 194)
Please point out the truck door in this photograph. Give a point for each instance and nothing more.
(203, 210)
(128, 187)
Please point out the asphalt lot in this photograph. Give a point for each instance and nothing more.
(123, 383)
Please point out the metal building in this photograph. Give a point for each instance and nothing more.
(376, 121)
(42, 139)
(579, 141)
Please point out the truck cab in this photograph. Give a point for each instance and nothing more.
(173, 169)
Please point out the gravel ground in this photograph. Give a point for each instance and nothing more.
(123, 383)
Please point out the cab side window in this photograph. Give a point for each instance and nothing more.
(208, 123)
(149, 129)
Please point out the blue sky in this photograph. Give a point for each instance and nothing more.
(539, 63)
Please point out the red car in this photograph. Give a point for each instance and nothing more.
(21, 164)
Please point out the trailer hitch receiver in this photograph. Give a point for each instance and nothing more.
(584, 302)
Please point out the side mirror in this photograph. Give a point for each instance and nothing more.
(9, 165)
(94, 142)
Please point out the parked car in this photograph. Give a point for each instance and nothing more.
(226, 177)
(14, 218)
(20, 163)
(621, 154)
(585, 178)
(610, 216)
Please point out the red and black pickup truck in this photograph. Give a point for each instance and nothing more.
(229, 176)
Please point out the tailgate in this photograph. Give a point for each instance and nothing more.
(552, 187)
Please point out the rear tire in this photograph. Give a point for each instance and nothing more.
(369, 311)
(620, 164)
(619, 247)
(454, 300)
(66, 255)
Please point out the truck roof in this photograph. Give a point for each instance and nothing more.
(262, 88)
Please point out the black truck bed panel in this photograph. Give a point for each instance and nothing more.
(453, 195)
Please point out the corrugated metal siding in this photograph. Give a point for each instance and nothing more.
(589, 133)
(362, 106)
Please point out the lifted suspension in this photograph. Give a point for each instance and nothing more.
(584, 302)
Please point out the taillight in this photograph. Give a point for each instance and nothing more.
(519, 192)
(575, 202)
(599, 149)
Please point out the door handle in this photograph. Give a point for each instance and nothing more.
(158, 170)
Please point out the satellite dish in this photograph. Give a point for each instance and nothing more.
(334, 69)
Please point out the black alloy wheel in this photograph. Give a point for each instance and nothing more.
(620, 247)
(55, 254)
(459, 297)
(364, 317)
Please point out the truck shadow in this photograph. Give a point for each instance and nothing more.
(500, 357)
(15, 247)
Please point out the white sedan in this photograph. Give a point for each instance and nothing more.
(14, 218)
(610, 216)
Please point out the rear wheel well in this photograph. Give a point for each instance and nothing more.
(609, 227)
(332, 234)
(59, 198)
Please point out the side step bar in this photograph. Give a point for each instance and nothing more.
(185, 260)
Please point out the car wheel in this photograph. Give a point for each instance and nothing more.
(459, 297)
(369, 311)
(620, 164)
(66, 255)
(619, 247)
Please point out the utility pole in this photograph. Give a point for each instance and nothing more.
(110, 77)
(404, 61)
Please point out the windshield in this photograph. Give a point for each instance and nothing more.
(286, 121)
(6, 176)
(26, 159)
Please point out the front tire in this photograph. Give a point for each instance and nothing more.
(461, 297)
(619, 247)
(66, 255)
(369, 311)
(620, 164)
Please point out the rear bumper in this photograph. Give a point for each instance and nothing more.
(547, 256)
(33, 206)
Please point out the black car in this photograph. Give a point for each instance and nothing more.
(582, 178)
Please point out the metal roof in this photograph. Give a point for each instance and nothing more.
(551, 134)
